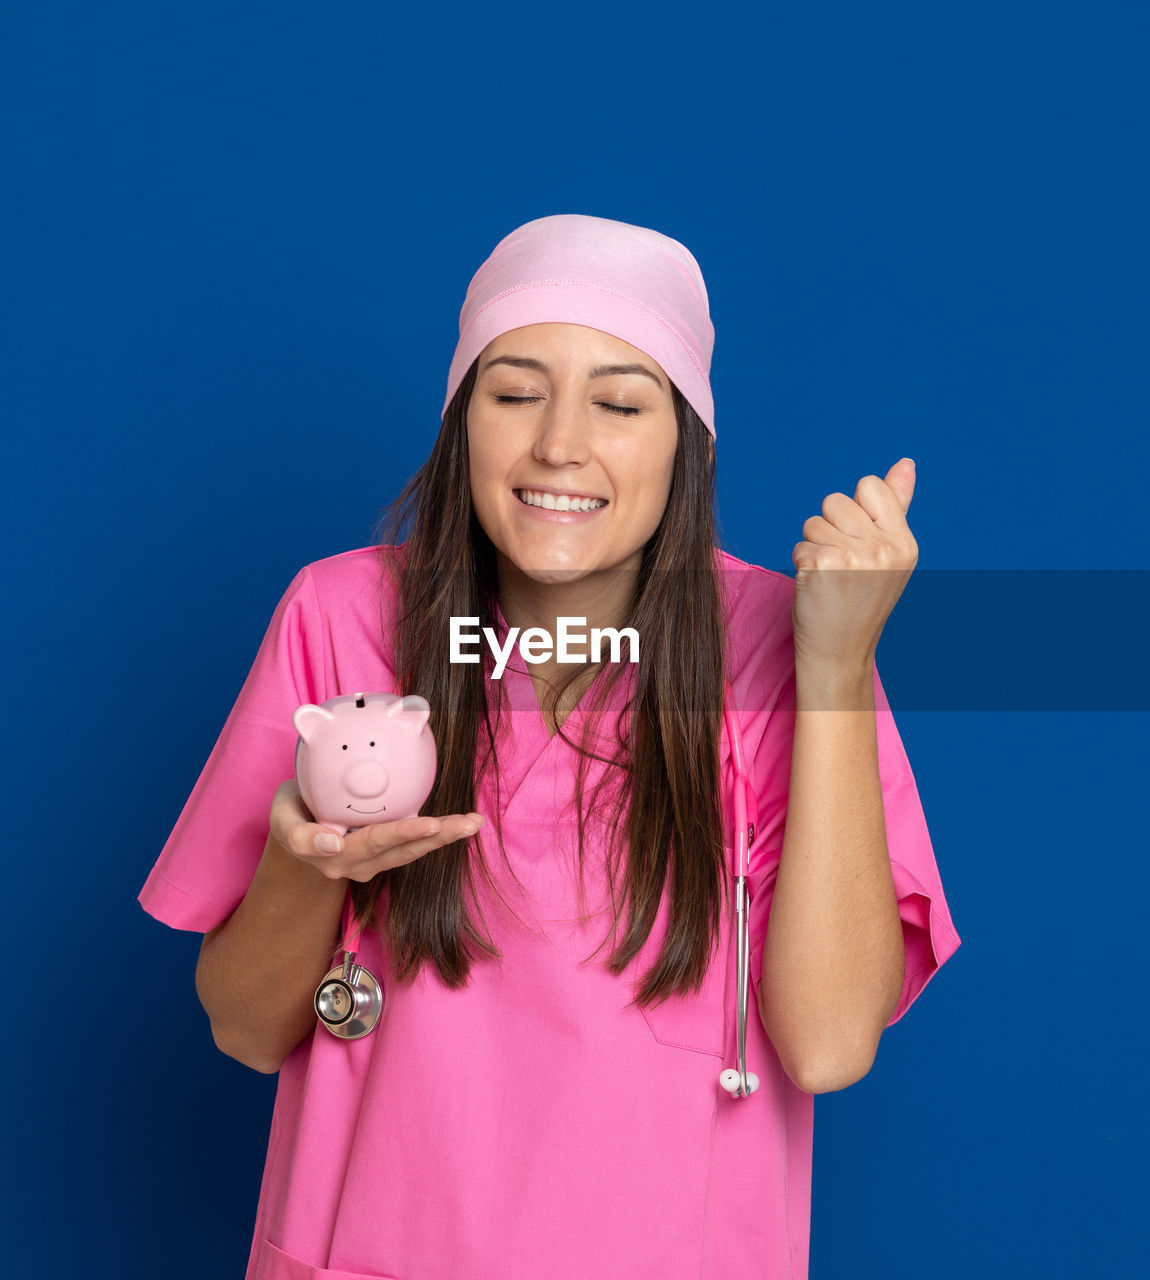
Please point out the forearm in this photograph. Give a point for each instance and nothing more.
(833, 957)
(258, 972)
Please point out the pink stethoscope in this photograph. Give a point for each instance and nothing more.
(738, 1081)
(349, 1000)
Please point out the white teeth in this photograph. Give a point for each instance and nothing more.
(562, 502)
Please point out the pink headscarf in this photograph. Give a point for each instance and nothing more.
(628, 281)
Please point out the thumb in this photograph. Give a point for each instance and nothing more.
(901, 480)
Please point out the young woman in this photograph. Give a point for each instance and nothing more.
(541, 1097)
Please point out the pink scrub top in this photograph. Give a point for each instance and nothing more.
(535, 1123)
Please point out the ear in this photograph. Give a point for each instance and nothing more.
(412, 710)
(309, 718)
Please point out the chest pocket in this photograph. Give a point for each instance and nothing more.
(697, 1021)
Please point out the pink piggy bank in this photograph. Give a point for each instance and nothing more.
(364, 758)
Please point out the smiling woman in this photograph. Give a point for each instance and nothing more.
(556, 934)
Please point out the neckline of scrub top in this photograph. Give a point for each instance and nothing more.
(537, 772)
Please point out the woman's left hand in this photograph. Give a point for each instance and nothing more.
(838, 617)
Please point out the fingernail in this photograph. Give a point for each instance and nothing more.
(328, 842)
(910, 460)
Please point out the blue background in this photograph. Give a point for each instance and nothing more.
(235, 238)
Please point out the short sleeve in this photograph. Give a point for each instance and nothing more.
(928, 932)
(208, 862)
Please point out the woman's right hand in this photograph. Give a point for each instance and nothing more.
(361, 854)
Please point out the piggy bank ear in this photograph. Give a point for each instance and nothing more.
(308, 718)
(413, 710)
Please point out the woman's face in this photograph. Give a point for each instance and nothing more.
(561, 414)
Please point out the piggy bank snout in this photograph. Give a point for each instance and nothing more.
(366, 778)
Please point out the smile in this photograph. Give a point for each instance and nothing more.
(382, 809)
(558, 501)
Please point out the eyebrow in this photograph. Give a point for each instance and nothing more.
(600, 371)
(606, 370)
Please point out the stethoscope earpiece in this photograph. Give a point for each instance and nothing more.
(349, 1000)
(732, 1082)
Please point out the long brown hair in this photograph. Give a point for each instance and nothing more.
(662, 783)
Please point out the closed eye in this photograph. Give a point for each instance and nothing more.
(621, 410)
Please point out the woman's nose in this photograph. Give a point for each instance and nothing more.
(562, 437)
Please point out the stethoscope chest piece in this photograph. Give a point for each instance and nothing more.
(349, 1000)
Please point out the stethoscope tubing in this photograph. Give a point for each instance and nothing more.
(746, 815)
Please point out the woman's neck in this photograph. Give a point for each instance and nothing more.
(601, 599)
(597, 600)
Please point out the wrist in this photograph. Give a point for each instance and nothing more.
(835, 685)
(283, 871)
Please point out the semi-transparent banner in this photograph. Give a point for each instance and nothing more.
(957, 640)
